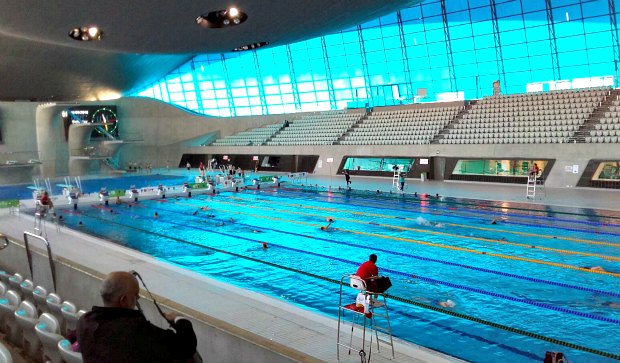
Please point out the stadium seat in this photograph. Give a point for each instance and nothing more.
(8, 305)
(48, 331)
(27, 317)
(67, 353)
(5, 354)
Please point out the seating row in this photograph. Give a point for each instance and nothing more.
(601, 139)
(563, 125)
(495, 133)
(386, 142)
(604, 132)
(37, 321)
(514, 140)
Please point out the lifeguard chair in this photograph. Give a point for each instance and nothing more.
(368, 310)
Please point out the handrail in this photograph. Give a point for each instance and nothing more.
(6, 241)
(49, 255)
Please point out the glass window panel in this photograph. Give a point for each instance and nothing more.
(604, 54)
(272, 100)
(241, 101)
(307, 97)
(481, 28)
(239, 92)
(573, 58)
(431, 8)
(532, 5)
(570, 43)
(512, 37)
(507, 8)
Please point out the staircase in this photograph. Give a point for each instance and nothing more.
(352, 128)
(595, 117)
(446, 130)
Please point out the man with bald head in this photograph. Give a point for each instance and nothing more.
(117, 332)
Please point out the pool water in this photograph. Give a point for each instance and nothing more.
(523, 274)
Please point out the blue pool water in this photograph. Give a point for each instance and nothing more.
(522, 274)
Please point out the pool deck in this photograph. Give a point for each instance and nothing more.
(273, 319)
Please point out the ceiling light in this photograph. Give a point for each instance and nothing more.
(86, 33)
(250, 46)
(233, 12)
(221, 18)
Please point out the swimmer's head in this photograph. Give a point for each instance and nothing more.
(448, 303)
(323, 228)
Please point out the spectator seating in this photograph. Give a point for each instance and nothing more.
(27, 317)
(48, 331)
(8, 305)
(40, 296)
(324, 128)
(257, 136)
(5, 354)
(417, 125)
(67, 354)
(551, 117)
(15, 281)
(607, 129)
(27, 288)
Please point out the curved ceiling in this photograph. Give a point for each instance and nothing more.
(144, 40)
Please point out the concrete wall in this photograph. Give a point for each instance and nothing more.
(218, 340)
(158, 133)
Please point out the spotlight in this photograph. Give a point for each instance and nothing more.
(86, 33)
(93, 31)
(251, 46)
(233, 12)
(221, 18)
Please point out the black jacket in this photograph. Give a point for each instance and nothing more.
(114, 335)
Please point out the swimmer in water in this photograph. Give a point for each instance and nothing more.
(329, 223)
(594, 268)
(494, 221)
(610, 304)
(256, 231)
(265, 246)
(156, 215)
(447, 304)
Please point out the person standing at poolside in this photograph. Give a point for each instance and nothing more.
(347, 177)
(401, 181)
(188, 166)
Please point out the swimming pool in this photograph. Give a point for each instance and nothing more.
(517, 284)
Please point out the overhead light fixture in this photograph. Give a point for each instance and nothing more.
(221, 18)
(86, 33)
(251, 46)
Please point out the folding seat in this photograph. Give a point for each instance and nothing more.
(14, 281)
(5, 354)
(27, 288)
(48, 331)
(27, 317)
(67, 354)
(8, 305)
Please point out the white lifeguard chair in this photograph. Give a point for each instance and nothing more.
(535, 180)
(369, 310)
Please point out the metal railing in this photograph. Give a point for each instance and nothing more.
(49, 255)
